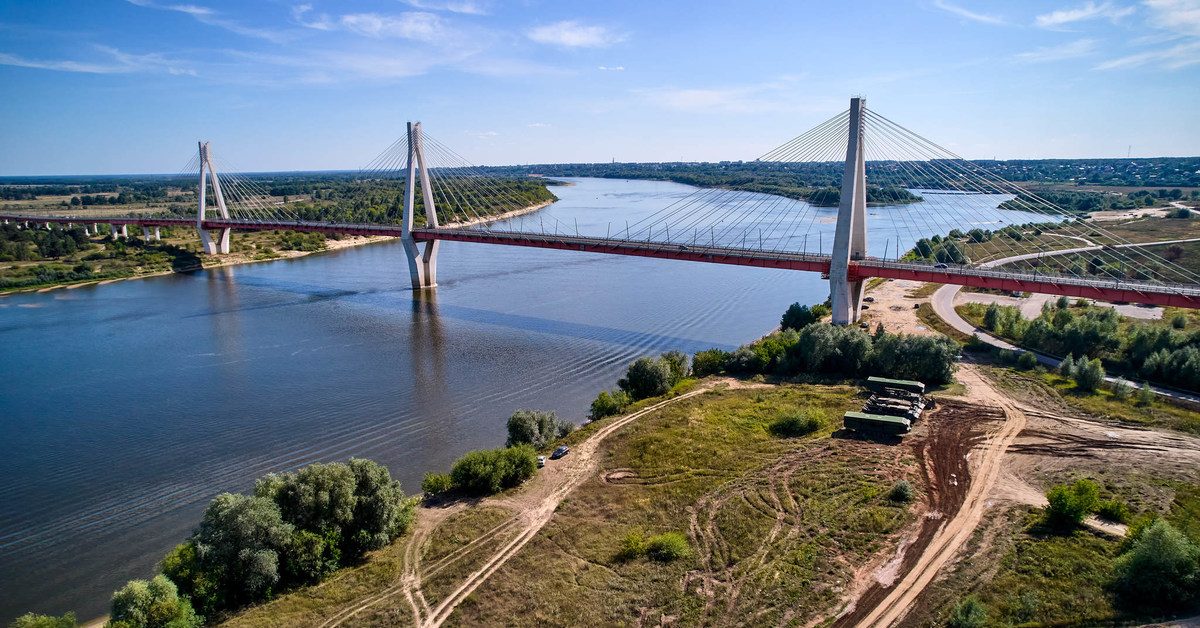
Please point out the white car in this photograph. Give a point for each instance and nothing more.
(541, 461)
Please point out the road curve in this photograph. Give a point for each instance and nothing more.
(943, 305)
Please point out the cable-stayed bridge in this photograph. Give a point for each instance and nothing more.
(865, 165)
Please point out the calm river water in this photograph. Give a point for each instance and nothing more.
(124, 408)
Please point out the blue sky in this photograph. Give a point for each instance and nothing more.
(129, 86)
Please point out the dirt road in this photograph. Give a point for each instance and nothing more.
(533, 508)
(985, 465)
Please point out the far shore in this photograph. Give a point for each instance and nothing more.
(219, 261)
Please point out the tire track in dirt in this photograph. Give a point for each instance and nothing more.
(945, 540)
(537, 505)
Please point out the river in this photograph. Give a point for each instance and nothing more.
(125, 407)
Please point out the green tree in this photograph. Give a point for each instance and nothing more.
(1089, 374)
(1069, 505)
(153, 604)
(238, 543)
(646, 377)
(969, 613)
(30, 620)
(680, 364)
(708, 362)
(535, 427)
(609, 404)
(1159, 571)
(798, 317)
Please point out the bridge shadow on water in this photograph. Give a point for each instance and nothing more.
(427, 305)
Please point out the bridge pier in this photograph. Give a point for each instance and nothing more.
(123, 231)
(850, 238)
(422, 265)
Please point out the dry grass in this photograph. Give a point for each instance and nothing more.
(776, 526)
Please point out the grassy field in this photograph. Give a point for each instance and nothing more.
(776, 526)
(931, 320)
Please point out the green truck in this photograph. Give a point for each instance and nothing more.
(882, 384)
(876, 423)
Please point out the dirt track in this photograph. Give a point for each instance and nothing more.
(958, 493)
(534, 506)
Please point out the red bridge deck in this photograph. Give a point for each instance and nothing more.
(1177, 295)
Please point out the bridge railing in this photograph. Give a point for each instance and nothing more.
(1065, 280)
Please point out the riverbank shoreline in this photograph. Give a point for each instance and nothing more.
(330, 245)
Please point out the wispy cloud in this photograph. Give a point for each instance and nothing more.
(1087, 11)
(483, 135)
(1071, 50)
(1174, 58)
(537, 125)
(614, 68)
(769, 96)
(412, 25)
(572, 34)
(970, 15)
(469, 7)
(1179, 16)
(117, 62)
(1178, 21)
(208, 16)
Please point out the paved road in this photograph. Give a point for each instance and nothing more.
(943, 305)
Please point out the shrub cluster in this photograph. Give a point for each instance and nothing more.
(1070, 504)
(488, 471)
(646, 377)
(609, 403)
(1163, 353)
(798, 316)
(295, 529)
(666, 547)
(536, 428)
(902, 492)
(827, 350)
(792, 422)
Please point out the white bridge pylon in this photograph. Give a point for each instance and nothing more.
(219, 244)
(422, 265)
(850, 238)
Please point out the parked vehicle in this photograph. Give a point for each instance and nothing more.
(541, 461)
(560, 452)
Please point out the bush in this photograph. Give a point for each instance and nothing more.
(1159, 571)
(1066, 368)
(1070, 504)
(436, 483)
(743, 360)
(1121, 389)
(970, 613)
(647, 377)
(1089, 374)
(798, 316)
(153, 604)
(490, 471)
(1145, 395)
(1027, 361)
(793, 422)
(609, 404)
(632, 546)
(668, 547)
(1063, 303)
(1179, 321)
(30, 620)
(902, 492)
(708, 362)
(1114, 511)
(535, 427)
(679, 363)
